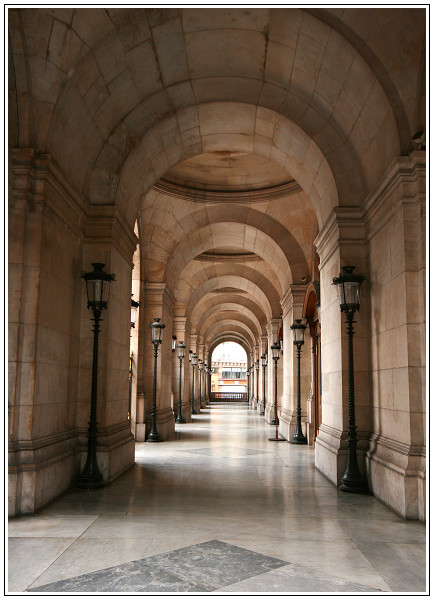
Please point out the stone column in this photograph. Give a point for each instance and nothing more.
(263, 349)
(342, 241)
(195, 341)
(292, 307)
(272, 328)
(45, 245)
(395, 297)
(158, 302)
(181, 328)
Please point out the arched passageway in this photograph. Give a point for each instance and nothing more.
(225, 164)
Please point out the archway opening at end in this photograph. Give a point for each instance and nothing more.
(229, 372)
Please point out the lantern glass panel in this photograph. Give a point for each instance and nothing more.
(264, 360)
(133, 315)
(194, 359)
(181, 349)
(275, 349)
(156, 331)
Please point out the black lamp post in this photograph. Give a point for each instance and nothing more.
(205, 377)
(209, 371)
(200, 367)
(181, 353)
(257, 381)
(349, 296)
(298, 329)
(248, 385)
(275, 349)
(193, 364)
(156, 338)
(264, 359)
(97, 288)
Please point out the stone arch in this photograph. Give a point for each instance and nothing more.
(218, 124)
(208, 303)
(228, 338)
(227, 326)
(211, 315)
(214, 318)
(236, 275)
(270, 248)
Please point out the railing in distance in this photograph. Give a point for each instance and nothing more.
(228, 396)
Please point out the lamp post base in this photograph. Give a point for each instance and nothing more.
(299, 439)
(276, 439)
(273, 421)
(354, 486)
(91, 481)
(179, 420)
(153, 437)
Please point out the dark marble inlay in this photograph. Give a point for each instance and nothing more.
(202, 567)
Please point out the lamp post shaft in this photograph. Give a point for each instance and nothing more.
(352, 480)
(92, 477)
(299, 437)
(153, 435)
(274, 418)
(193, 412)
(179, 417)
(275, 398)
(262, 411)
(257, 389)
(200, 388)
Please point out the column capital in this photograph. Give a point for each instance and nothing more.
(181, 325)
(272, 327)
(157, 294)
(294, 295)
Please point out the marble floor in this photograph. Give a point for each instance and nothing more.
(218, 509)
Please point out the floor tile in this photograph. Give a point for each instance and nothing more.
(202, 567)
(29, 557)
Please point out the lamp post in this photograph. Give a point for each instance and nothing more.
(97, 288)
(181, 353)
(156, 338)
(193, 364)
(200, 367)
(205, 377)
(349, 296)
(248, 385)
(257, 381)
(264, 359)
(275, 349)
(298, 329)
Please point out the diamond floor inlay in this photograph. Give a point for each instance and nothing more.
(202, 567)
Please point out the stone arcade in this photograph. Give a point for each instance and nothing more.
(225, 164)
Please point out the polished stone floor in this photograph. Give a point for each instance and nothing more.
(219, 509)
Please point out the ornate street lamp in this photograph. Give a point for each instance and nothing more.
(193, 364)
(156, 338)
(134, 306)
(205, 377)
(349, 297)
(97, 288)
(181, 353)
(257, 380)
(264, 359)
(298, 329)
(275, 349)
(200, 367)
